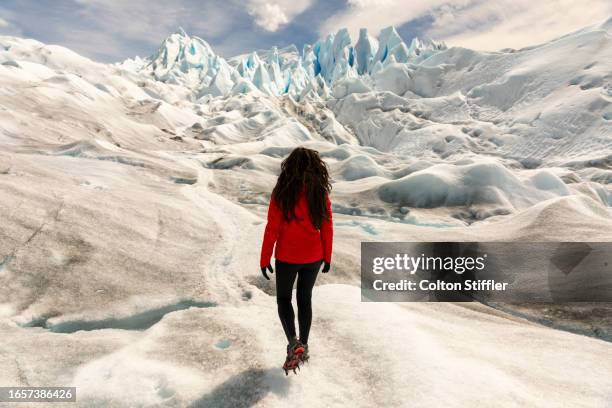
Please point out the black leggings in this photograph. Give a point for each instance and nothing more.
(285, 278)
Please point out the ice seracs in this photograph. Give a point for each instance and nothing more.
(365, 50)
(222, 83)
(190, 61)
(183, 59)
(390, 43)
(421, 49)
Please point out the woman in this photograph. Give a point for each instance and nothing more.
(300, 224)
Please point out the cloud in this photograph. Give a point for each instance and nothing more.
(7, 25)
(111, 30)
(146, 20)
(377, 14)
(519, 23)
(271, 15)
(479, 24)
(268, 16)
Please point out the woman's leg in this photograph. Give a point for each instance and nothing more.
(285, 278)
(307, 275)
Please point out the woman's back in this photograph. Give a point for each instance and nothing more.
(297, 239)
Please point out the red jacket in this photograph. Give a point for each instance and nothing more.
(297, 241)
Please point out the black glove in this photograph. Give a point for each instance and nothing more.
(326, 267)
(263, 271)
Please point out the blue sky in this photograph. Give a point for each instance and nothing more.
(112, 30)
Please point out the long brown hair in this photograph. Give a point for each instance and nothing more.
(303, 170)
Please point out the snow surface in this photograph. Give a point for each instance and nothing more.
(134, 198)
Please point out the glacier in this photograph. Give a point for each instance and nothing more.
(133, 199)
(191, 62)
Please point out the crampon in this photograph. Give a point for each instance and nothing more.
(294, 358)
